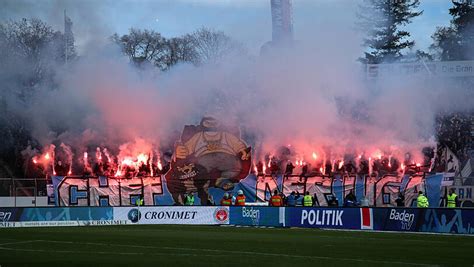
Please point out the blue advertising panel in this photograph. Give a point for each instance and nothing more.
(456, 221)
(258, 216)
(396, 219)
(10, 214)
(67, 214)
(336, 218)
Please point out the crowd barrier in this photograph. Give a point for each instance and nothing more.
(436, 220)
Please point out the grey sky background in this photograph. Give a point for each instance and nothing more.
(248, 21)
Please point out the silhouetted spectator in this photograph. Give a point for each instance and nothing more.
(350, 199)
(400, 200)
(333, 202)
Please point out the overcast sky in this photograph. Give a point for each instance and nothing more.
(248, 21)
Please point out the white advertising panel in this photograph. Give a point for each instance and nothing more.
(173, 215)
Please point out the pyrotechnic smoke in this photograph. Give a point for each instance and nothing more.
(311, 96)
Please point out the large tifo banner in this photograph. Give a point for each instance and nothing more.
(173, 215)
(380, 191)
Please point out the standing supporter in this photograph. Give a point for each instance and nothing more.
(291, 200)
(333, 202)
(400, 200)
(452, 199)
(315, 200)
(350, 200)
(276, 200)
(307, 200)
(189, 199)
(422, 200)
(299, 199)
(240, 199)
(289, 169)
(226, 200)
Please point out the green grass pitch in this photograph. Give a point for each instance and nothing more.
(162, 245)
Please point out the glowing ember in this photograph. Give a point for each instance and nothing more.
(35, 161)
(46, 157)
(341, 163)
(127, 162)
(418, 165)
(98, 155)
(160, 167)
(315, 156)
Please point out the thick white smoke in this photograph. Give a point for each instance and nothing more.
(311, 96)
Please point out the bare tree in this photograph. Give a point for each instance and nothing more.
(143, 46)
(212, 45)
(181, 49)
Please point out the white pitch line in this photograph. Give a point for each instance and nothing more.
(20, 242)
(109, 252)
(244, 252)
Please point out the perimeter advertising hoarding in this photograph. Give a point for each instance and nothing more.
(197, 215)
(396, 219)
(455, 221)
(335, 218)
(47, 217)
(257, 216)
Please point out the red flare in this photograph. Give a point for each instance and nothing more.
(315, 156)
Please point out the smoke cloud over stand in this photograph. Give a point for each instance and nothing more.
(312, 97)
